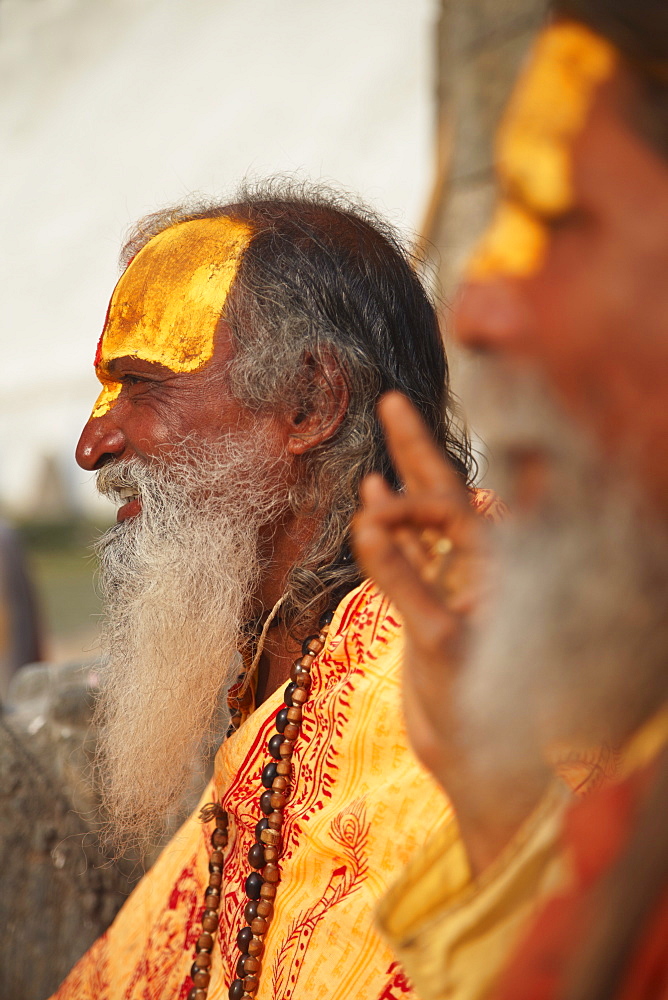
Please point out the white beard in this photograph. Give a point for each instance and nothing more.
(573, 648)
(177, 581)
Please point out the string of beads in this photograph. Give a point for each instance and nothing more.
(261, 883)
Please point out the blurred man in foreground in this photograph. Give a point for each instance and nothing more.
(567, 303)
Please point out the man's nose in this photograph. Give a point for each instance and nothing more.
(100, 441)
(490, 315)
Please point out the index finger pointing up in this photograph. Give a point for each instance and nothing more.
(417, 459)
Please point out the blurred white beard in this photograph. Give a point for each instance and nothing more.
(177, 581)
(574, 646)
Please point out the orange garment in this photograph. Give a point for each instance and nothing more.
(361, 804)
(452, 932)
(595, 834)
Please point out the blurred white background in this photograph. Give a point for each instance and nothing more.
(112, 108)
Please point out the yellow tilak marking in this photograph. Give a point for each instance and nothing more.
(514, 244)
(547, 111)
(167, 304)
(106, 399)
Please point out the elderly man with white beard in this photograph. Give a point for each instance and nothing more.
(243, 353)
(565, 639)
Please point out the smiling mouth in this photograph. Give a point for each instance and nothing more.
(130, 504)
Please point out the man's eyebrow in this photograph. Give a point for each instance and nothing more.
(113, 365)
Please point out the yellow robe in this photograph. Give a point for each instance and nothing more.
(455, 934)
(360, 807)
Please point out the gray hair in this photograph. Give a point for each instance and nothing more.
(323, 279)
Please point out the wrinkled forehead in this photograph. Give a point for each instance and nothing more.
(167, 304)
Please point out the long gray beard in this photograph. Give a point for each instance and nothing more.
(574, 647)
(177, 582)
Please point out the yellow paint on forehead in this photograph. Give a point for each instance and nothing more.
(514, 243)
(167, 304)
(104, 402)
(547, 111)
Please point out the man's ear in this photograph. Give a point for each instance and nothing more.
(322, 406)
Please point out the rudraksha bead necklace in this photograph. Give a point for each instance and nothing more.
(263, 856)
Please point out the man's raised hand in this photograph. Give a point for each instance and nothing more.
(424, 547)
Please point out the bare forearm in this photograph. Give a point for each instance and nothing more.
(493, 785)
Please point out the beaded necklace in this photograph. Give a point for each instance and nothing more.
(260, 885)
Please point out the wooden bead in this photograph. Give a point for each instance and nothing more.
(196, 994)
(291, 733)
(259, 925)
(265, 908)
(295, 714)
(269, 771)
(212, 897)
(281, 720)
(210, 921)
(216, 879)
(252, 885)
(270, 854)
(222, 821)
(244, 937)
(284, 768)
(270, 837)
(256, 856)
(312, 644)
(268, 891)
(303, 682)
(270, 873)
(278, 800)
(251, 984)
(297, 670)
(203, 960)
(236, 990)
(204, 942)
(287, 746)
(275, 820)
(299, 698)
(279, 784)
(326, 619)
(255, 946)
(201, 978)
(251, 965)
(219, 838)
(260, 826)
(216, 860)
